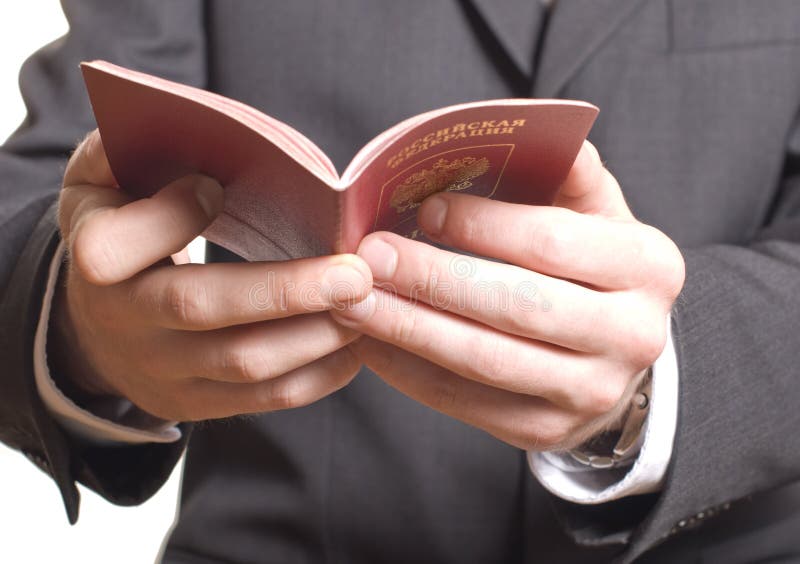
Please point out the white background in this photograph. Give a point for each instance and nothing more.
(33, 523)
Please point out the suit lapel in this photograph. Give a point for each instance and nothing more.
(576, 29)
(516, 25)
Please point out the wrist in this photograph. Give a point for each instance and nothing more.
(71, 370)
(618, 445)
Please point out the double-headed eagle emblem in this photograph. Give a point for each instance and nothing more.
(443, 175)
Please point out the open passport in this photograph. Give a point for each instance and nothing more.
(283, 196)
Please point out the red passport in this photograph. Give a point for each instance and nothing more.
(283, 196)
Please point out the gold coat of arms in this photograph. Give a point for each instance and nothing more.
(443, 176)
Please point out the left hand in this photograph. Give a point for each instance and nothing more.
(539, 350)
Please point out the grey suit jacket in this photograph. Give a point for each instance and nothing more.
(700, 125)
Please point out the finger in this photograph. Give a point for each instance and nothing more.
(591, 189)
(209, 296)
(555, 241)
(506, 297)
(182, 256)
(208, 399)
(476, 351)
(88, 185)
(527, 422)
(256, 352)
(77, 202)
(89, 164)
(111, 244)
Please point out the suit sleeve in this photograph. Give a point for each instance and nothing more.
(164, 38)
(735, 327)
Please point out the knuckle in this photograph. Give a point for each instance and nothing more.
(673, 274)
(88, 162)
(77, 156)
(93, 254)
(638, 334)
(547, 438)
(362, 350)
(645, 343)
(404, 326)
(675, 281)
(543, 434)
(286, 393)
(346, 366)
(641, 259)
(245, 364)
(524, 321)
(489, 358)
(94, 160)
(187, 303)
(435, 285)
(651, 246)
(551, 241)
(603, 398)
(663, 263)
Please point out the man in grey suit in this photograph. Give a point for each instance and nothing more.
(700, 128)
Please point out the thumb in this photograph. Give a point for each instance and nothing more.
(112, 243)
(591, 189)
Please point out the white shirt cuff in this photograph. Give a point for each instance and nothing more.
(126, 423)
(593, 486)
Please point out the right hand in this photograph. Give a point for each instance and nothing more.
(188, 342)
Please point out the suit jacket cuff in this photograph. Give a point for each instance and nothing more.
(124, 475)
(591, 486)
(111, 420)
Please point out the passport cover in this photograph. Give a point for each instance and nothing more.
(283, 196)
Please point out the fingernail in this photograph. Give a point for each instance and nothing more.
(380, 256)
(432, 214)
(209, 194)
(357, 312)
(344, 283)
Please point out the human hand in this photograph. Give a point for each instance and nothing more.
(541, 350)
(188, 342)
